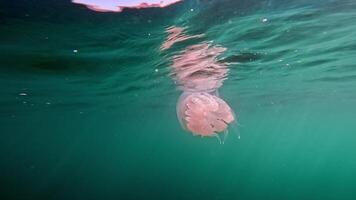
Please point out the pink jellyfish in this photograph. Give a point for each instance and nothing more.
(204, 114)
(199, 74)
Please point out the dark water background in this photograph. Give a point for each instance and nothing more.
(87, 107)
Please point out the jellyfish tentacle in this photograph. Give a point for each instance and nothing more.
(218, 137)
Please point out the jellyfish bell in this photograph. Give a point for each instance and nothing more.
(204, 114)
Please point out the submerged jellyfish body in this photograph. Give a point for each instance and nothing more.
(204, 114)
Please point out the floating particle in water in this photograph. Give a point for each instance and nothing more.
(264, 20)
(22, 94)
(156, 70)
(75, 51)
(118, 6)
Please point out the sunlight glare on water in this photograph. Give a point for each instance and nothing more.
(117, 6)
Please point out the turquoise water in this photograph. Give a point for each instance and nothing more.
(88, 104)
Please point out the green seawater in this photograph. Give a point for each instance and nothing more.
(88, 103)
